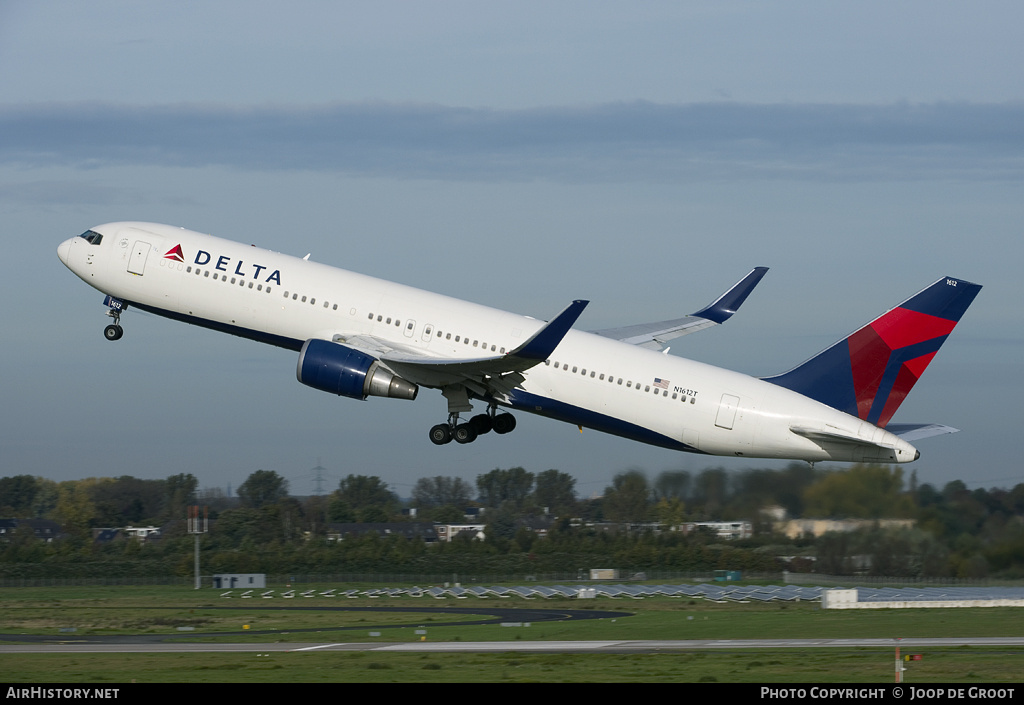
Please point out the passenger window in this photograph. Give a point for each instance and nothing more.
(312, 301)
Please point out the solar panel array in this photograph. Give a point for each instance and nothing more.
(704, 591)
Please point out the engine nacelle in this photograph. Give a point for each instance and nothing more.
(335, 368)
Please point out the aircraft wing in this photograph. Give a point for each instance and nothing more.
(655, 335)
(493, 374)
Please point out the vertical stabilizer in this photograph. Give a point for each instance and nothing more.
(870, 373)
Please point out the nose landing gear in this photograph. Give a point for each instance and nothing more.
(115, 306)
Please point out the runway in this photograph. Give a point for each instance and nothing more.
(609, 646)
(175, 643)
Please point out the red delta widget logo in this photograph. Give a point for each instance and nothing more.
(223, 263)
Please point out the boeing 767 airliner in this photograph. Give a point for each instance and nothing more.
(357, 336)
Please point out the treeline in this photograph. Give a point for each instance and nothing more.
(955, 531)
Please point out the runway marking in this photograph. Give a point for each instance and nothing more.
(318, 646)
(498, 646)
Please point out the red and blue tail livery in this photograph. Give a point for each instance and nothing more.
(869, 373)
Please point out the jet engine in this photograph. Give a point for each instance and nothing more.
(335, 368)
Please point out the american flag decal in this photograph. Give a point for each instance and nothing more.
(660, 383)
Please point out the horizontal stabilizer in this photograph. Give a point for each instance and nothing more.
(655, 335)
(911, 432)
(831, 436)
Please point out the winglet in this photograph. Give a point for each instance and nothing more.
(542, 343)
(728, 303)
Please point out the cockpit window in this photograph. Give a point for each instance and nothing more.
(92, 236)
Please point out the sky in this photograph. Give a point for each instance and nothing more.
(520, 155)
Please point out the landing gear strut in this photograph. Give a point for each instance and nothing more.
(114, 331)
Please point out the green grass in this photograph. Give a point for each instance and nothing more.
(110, 610)
(971, 666)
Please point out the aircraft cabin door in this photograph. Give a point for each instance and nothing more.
(137, 262)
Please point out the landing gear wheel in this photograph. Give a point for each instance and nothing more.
(481, 423)
(464, 433)
(504, 423)
(113, 332)
(440, 434)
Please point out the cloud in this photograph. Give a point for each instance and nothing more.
(636, 141)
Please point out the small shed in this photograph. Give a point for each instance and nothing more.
(242, 581)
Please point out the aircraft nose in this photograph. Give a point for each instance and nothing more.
(63, 250)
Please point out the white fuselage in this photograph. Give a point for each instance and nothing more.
(588, 380)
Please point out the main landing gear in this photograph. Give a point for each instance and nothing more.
(478, 425)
